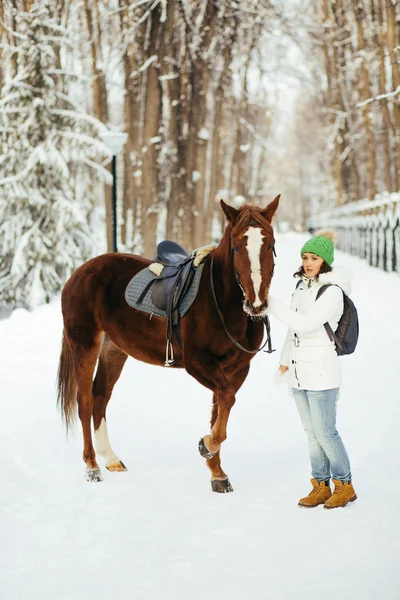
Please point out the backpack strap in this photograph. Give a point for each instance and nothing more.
(328, 328)
(297, 285)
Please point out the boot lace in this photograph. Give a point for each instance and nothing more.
(317, 489)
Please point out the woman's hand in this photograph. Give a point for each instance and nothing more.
(278, 377)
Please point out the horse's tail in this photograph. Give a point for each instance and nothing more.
(67, 385)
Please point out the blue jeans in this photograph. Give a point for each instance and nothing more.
(328, 455)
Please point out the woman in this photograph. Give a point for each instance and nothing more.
(313, 367)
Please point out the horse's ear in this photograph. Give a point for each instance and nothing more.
(271, 209)
(230, 212)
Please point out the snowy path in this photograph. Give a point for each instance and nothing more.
(157, 531)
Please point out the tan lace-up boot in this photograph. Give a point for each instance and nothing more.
(318, 495)
(342, 495)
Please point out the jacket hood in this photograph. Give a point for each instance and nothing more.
(341, 276)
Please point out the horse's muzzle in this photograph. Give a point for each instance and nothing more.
(255, 311)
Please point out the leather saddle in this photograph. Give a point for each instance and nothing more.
(170, 253)
(176, 276)
(172, 285)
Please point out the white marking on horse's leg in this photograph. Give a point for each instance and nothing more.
(254, 241)
(103, 446)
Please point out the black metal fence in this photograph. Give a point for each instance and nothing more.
(375, 238)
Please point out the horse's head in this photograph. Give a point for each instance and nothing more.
(252, 245)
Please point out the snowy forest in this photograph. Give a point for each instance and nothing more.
(232, 99)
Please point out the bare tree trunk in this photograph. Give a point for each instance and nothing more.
(355, 178)
(171, 70)
(367, 93)
(216, 161)
(12, 40)
(150, 188)
(238, 174)
(392, 43)
(100, 106)
(341, 110)
(132, 59)
(387, 124)
(186, 206)
(2, 40)
(235, 132)
(195, 115)
(201, 128)
(331, 72)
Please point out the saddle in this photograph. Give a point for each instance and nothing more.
(175, 277)
(170, 288)
(170, 253)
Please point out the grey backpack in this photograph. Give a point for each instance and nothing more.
(346, 334)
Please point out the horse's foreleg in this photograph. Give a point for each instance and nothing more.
(111, 362)
(219, 479)
(209, 372)
(211, 443)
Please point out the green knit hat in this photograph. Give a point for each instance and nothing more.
(322, 244)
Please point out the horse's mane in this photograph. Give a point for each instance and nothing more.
(250, 215)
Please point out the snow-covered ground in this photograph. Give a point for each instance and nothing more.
(157, 531)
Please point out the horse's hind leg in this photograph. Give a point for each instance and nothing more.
(85, 358)
(110, 365)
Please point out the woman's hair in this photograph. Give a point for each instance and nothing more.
(325, 268)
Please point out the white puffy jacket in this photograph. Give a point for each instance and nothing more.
(308, 352)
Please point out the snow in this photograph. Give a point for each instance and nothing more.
(351, 208)
(196, 176)
(157, 531)
(144, 66)
(244, 148)
(204, 134)
(238, 201)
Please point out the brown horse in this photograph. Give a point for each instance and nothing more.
(100, 327)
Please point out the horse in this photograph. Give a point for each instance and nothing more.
(220, 333)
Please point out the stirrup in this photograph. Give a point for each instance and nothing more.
(169, 360)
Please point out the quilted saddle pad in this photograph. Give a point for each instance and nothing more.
(143, 278)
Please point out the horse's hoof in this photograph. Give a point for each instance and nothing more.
(117, 466)
(204, 451)
(93, 475)
(222, 486)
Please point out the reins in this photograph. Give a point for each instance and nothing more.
(237, 344)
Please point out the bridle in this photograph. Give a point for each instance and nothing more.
(265, 318)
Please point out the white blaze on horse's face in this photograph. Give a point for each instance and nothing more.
(254, 244)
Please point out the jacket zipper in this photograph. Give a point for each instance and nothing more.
(296, 343)
(295, 373)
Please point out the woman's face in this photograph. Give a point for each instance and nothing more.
(311, 264)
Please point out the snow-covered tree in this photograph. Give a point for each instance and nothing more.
(47, 144)
(359, 85)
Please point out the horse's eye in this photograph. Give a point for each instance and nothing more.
(235, 249)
